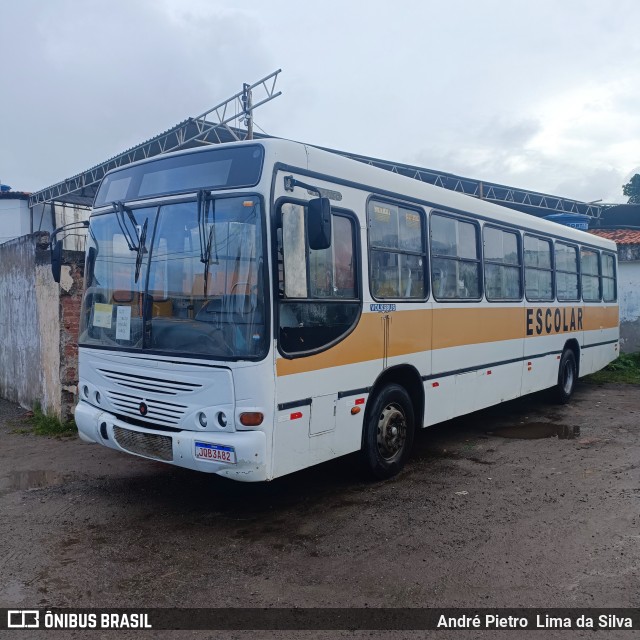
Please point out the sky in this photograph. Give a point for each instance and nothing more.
(540, 95)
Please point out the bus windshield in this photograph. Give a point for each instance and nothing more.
(181, 278)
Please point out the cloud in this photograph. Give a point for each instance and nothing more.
(539, 95)
(111, 75)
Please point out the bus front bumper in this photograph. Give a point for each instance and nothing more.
(178, 448)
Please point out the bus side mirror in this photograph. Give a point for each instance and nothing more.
(319, 223)
(91, 260)
(56, 260)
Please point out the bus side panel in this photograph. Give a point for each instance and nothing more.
(478, 350)
(291, 440)
(439, 400)
(327, 429)
(549, 325)
(347, 436)
(602, 333)
(498, 384)
(541, 364)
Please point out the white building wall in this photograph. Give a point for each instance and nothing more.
(629, 291)
(66, 214)
(43, 220)
(14, 218)
(629, 300)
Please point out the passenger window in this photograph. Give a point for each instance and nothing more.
(502, 264)
(609, 289)
(319, 300)
(567, 288)
(538, 274)
(396, 251)
(590, 267)
(455, 259)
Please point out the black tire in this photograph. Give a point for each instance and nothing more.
(567, 377)
(388, 432)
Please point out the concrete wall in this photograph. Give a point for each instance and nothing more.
(39, 325)
(20, 346)
(629, 297)
(14, 218)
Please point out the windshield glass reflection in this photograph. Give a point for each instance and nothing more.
(200, 288)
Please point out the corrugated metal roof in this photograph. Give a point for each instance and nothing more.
(14, 195)
(619, 236)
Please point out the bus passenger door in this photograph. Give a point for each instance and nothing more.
(319, 306)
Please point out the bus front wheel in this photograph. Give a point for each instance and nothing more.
(567, 376)
(388, 432)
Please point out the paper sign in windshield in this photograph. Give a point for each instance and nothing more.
(102, 315)
(123, 323)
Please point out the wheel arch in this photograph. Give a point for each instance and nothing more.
(408, 377)
(573, 345)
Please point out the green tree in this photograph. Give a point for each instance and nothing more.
(632, 189)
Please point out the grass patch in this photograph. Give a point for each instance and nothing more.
(625, 369)
(44, 425)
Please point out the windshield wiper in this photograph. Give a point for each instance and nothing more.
(141, 249)
(206, 239)
(136, 244)
(119, 208)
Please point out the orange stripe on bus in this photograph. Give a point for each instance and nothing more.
(411, 332)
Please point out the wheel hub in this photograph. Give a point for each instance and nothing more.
(392, 432)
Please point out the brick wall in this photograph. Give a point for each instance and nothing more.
(70, 301)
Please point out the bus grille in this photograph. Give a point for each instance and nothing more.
(145, 444)
(158, 412)
(161, 386)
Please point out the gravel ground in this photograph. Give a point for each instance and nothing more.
(522, 505)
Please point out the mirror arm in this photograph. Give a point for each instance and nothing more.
(290, 183)
(72, 226)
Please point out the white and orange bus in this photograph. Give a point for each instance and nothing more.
(255, 308)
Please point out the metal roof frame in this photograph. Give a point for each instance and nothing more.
(531, 202)
(81, 188)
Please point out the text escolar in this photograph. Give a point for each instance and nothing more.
(554, 320)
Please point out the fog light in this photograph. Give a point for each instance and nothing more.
(222, 420)
(98, 397)
(202, 419)
(85, 391)
(251, 418)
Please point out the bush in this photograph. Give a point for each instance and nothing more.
(45, 425)
(625, 368)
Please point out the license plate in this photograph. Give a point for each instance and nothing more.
(215, 452)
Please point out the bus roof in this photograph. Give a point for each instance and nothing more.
(337, 168)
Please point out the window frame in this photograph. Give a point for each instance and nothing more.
(578, 272)
(591, 275)
(552, 268)
(520, 264)
(479, 260)
(423, 243)
(278, 300)
(614, 278)
(138, 174)
(158, 203)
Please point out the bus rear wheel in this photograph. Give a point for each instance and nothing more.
(388, 432)
(567, 376)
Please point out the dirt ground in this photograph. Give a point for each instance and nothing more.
(486, 514)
